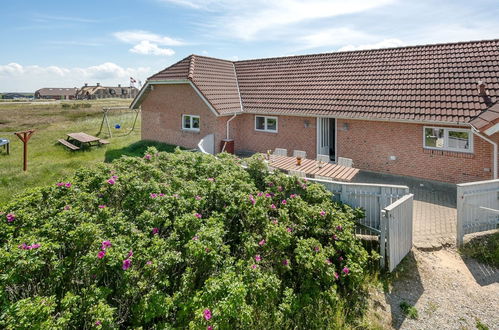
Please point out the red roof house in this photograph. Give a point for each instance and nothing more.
(424, 111)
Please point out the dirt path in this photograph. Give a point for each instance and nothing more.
(447, 291)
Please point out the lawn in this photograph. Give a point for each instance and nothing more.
(484, 248)
(49, 161)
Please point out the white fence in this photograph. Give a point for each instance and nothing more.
(388, 213)
(373, 198)
(477, 207)
(396, 232)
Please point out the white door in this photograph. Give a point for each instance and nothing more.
(323, 136)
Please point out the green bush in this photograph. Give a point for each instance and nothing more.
(180, 240)
(65, 105)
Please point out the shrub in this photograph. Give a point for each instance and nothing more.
(65, 105)
(180, 240)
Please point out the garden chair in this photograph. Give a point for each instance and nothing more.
(280, 152)
(347, 162)
(299, 174)
(324, 158)
(299, 153)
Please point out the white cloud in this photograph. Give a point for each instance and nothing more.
(137, 36)
(148, 48)
(330, 37)
(386, 43)
(260, 18)
(16, 77)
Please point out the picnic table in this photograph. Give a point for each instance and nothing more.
(82, 139)
(6, 144)
(314, 168)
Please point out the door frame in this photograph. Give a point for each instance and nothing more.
(318, 134)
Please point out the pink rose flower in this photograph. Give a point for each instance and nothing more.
(10, 217)
(126, 264)
(346, 270)
(197, 215)
(258, 258)
(207, 314)
(101, 254)
(111, 181)
(262, 242)
(155, 231)
(323, 213)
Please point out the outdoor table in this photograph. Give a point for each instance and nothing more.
(312, 169)
(6, 144)
(83, 138)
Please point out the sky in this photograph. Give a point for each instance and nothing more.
(60, 43)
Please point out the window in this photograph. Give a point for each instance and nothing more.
(266, 124)
(452, 139)
(190, 123)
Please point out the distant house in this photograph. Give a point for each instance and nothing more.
(56, 93)
(101, 92)
(424, 111)
(14, 96)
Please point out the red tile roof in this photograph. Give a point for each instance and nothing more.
(215, 79)
(420, 83)
(487, 118)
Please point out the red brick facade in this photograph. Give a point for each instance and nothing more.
(369, 143)
(162, 114)
(294, 133)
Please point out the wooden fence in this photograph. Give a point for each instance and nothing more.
(477, 207)
(373, 198)
(396, 232)
(388, 214)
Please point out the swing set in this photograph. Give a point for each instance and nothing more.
(132, 115)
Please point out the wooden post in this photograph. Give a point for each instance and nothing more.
(25, 136)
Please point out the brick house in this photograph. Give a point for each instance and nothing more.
(422, 111)
(55, 93)
(102, 92)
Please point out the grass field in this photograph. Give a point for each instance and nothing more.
(49, 161)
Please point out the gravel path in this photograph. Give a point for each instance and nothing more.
(447, 291)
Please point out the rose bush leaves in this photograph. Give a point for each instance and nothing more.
(180, 240)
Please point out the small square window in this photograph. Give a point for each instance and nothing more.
(190, 123)
(266, 124)
(452, 139)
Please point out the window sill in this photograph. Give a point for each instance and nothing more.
(187, 130)
(264, 131)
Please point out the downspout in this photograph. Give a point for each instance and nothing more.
(494, 145)
(228, 135)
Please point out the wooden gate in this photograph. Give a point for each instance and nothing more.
(396, 232)
(477, 207)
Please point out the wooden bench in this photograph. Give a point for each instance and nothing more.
(68, 144)
(102, 141)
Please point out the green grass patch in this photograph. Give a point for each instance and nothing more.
(49, 161)
(137, 149)
(409, 310)
(483, 248)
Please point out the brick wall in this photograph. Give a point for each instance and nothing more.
(370, 143)
(292, 135)
(162, 112)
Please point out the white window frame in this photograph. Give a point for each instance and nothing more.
(191, 122)
(446, 139)
(265, 124)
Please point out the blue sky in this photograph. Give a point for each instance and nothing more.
(55, 43)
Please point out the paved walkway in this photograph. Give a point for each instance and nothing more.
(434, 208)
